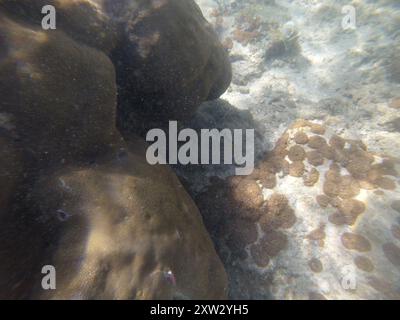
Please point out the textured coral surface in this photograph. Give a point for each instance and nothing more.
(73, 193)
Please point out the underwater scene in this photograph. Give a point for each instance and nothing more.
(199, 150)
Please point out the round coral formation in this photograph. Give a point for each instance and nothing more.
(337, 142)
(273, 242)
(364, 264)
(316, 142)
(248, 194)
(315, 265)
(296, 153)
(338, 219)
(352, 241)
(301, 138)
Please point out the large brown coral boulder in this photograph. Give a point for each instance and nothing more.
(168, 64)
(61, 94)
(112, 225)
(120, 229)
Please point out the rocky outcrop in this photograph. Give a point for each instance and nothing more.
(73, 193)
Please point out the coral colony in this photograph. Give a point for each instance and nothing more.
(315, 196)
